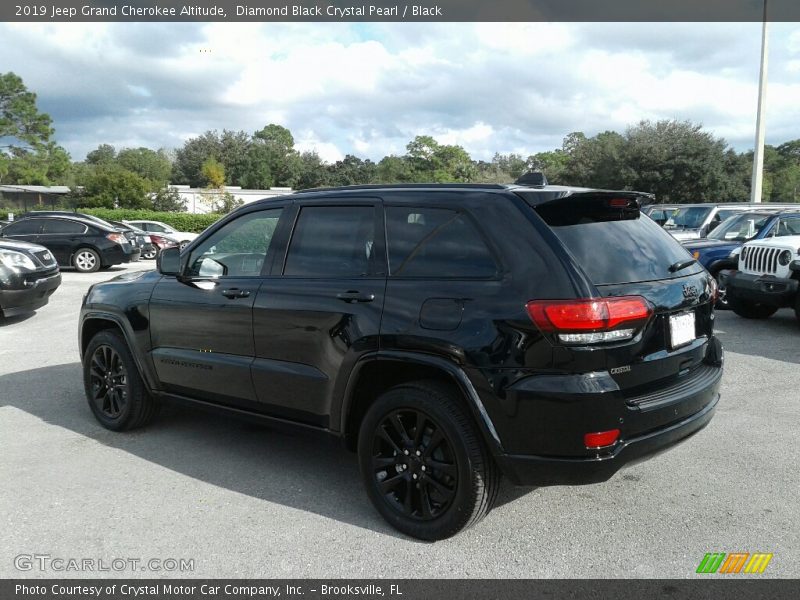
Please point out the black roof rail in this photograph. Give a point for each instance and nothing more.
(400, 186)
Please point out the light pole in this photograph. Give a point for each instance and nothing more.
(758, 152)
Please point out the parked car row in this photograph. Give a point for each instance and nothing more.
(719, 251)
(35, 245)
(694, 221)
(767, 276)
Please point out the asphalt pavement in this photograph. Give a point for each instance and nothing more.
(246, 501)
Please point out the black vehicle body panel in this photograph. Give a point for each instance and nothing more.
(780, 292)
(293, 350)
(24, 291)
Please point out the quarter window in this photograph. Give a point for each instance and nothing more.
(238, 249)
(435, 242)
(333, 242)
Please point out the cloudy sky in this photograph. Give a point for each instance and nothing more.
(367, 89)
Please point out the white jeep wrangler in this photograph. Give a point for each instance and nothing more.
(768, 278)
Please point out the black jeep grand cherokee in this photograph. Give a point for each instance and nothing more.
(448, 333)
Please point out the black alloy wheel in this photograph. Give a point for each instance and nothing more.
(109, 382)
(424, 464)
(114, 389)
(414, 464)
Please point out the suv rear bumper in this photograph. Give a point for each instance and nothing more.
(764, 289)
(544, 470)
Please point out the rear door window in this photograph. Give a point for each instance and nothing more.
(435, 242)
(334, 242)
(55, 226)
(613, 245)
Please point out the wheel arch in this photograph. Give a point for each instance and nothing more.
(721, 263)
(379, 372)
(95, 322)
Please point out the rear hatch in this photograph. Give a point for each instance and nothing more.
(626, 257)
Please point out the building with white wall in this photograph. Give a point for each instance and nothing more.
(201, 200)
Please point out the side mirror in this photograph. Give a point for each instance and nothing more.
(169, 261)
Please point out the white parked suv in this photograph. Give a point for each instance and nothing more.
(768, 278)
(180, 237)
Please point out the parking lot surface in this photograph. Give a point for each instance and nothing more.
(248, 501)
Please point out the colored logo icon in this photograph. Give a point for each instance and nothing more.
(736, 562)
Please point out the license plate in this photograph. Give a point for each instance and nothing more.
(681, 329)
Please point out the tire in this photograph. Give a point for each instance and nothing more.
(150, 255)
(722, 297)
(445, 455)
(797, 308)
(114, 389)
(751, 310)
(86, 260)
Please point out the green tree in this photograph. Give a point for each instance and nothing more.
(272, 159)
(224, 202)
(104, 154)
(114, 187)
(149, 164)
(167, 199)
(395, 169)
(189, 159)
(352, 170)
(213, 173)
(25, 134)
(311, 172)
(434, 162)
(553, 164)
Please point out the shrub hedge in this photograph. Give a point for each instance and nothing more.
(180, 221)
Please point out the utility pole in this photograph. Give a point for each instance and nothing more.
(758, 151)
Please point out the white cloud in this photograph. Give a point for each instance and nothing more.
(368, 89)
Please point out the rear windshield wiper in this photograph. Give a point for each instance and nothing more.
(681, 265)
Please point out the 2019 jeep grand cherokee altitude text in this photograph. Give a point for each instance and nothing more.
(448, 333)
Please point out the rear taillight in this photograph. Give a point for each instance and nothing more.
(117, 238)
(591, 320)
(159, 241)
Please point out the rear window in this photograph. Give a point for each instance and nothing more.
(64, 227)
(614, 245)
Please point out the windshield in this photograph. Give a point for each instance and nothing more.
(689, 217)
(740, 228)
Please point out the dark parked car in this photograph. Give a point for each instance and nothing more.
(447, 333)
(28, 277)
(74, 241)
(135, 240)
(140, 239)
(715, 251)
